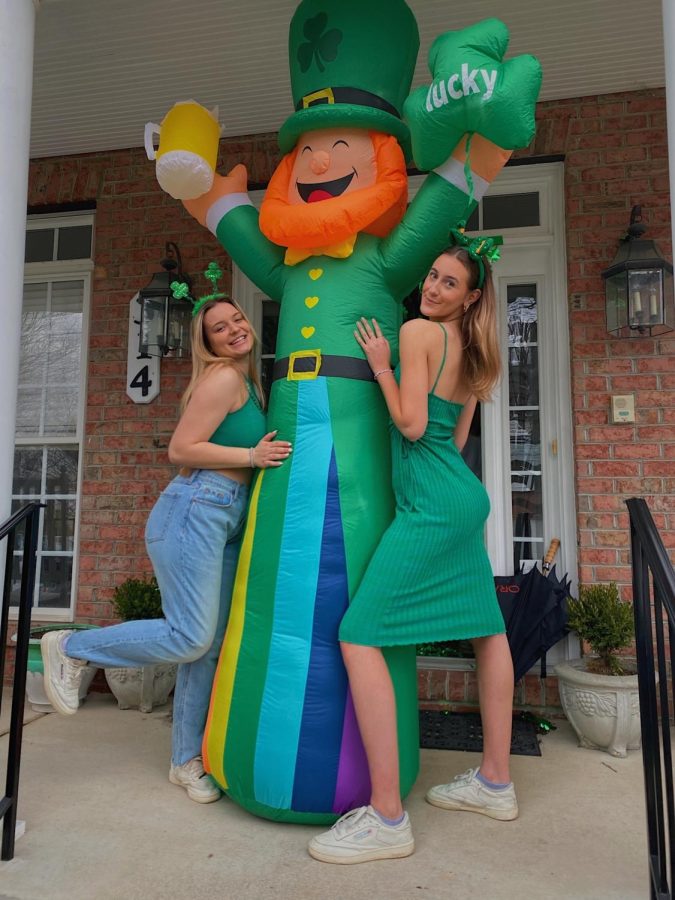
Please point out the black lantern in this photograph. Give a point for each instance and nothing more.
(639, 286)
(165, 320)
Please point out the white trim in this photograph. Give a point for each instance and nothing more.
(59, 268)
(56, 271)
(224, 205)
(453, 172)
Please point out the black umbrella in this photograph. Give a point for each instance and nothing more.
(534, 607)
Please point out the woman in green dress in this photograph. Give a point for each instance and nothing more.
(430, 577)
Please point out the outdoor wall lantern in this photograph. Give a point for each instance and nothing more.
(165, 320)
(639, 286)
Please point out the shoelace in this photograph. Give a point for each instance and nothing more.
(465, 777)
(71, 673)
(346, 822)
(194, 767)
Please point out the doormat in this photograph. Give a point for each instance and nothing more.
(442, 730)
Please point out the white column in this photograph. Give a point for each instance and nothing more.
(669, 48)
(17, 31)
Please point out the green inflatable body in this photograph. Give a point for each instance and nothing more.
(334, 242)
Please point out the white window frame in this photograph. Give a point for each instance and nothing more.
(64, 270)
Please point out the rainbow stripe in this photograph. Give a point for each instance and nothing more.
(223, 684)
(282, 705)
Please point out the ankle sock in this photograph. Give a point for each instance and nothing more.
(493, 785)
(390, 822)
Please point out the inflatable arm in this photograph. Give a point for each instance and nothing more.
(226, 210)
(444, 199)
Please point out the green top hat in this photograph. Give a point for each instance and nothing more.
(352, 63)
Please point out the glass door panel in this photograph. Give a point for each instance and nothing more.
(524, 423)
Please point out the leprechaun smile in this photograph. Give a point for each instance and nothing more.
(324, 190)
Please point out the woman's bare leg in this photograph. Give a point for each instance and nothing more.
(375, 706)
(495, 692)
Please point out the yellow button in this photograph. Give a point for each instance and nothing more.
(310, 302)
(307, 331)
(315, 273)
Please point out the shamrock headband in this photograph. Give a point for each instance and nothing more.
(181, 290)
(478, 249)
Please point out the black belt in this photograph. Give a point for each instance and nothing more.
(311, 366)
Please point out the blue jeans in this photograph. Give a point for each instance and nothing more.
(192, 537)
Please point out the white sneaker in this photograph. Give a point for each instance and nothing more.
(362, 836)
(193, 778)
(467, 792)
(62, 674)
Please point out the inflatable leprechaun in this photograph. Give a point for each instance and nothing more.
(335, 241)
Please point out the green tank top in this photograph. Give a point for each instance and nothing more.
(245, 426)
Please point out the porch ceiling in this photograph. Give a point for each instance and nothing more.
(103, 68)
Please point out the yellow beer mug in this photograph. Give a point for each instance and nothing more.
(188, 149)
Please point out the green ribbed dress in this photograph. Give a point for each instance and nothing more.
(430, 578)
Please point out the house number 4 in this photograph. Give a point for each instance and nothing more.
(142, 370)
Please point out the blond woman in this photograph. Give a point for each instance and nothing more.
(192, 538)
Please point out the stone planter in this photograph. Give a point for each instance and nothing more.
(604, 710)
(142, 688)
(35, 682)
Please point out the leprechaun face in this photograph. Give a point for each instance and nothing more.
(330, 164)
(333, 185)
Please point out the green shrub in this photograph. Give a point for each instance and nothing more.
(601, 619)
(137, 598)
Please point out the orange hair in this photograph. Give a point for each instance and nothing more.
(376, 209)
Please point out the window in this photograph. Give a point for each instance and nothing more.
(524, 439)
(50, 400)
(58, 242)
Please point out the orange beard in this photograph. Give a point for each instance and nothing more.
(375, 210)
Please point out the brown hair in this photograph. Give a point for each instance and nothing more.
(203, 357)
(481, 362)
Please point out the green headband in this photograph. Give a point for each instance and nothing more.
(478, 249)
(181, 291)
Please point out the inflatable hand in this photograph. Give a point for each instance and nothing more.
(223, 185)
(473, 91)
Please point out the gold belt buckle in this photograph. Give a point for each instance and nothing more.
(303, 354)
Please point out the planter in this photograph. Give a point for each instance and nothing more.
(604, 710)
(35, 682)
(142, 688)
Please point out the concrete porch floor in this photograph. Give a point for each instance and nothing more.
(104, 823)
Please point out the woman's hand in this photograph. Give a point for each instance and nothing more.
(269, 453)
(374, 344)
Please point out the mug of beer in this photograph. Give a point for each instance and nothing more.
(188, 149)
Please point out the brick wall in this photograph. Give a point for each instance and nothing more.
(615, 156)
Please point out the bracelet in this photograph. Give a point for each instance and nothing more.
(251, 460)
(382, 372)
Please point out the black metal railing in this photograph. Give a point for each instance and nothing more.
(654, 607)
(30, 515)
